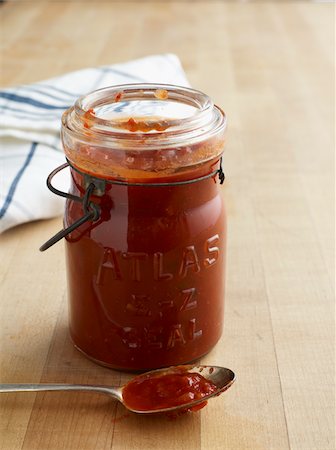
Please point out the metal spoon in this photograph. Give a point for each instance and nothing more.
(223, 378)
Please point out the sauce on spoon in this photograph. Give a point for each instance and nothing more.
(152, 391)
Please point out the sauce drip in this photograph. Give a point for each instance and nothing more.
(161, 94)
(88, 117)
(153, 392)
(144, 126)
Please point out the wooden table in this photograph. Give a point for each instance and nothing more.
(270, 66)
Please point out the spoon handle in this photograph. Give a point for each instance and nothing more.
(112, 391)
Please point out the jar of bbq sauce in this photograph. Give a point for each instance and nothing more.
(144, 225)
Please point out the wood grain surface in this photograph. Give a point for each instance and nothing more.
(270, 65)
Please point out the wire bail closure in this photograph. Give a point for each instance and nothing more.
(96, 186)
(91, 210)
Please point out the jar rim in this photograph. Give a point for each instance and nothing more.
(83, 122)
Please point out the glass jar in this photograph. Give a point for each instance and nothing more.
(146, 270)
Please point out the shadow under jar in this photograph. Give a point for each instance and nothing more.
(146, 274)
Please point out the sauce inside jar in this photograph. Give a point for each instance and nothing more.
(145, 280)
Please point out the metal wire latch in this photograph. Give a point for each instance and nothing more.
(91, 210)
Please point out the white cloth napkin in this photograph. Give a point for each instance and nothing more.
(30, 120)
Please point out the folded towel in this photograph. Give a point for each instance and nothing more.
(30, 120)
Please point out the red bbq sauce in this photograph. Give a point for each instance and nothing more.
(146, 279)
(153, 392)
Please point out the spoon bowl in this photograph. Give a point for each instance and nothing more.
(220, 377)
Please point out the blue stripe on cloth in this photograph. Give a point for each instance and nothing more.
(98, 80)
(30, 101)
(48, 94)
(22, 209)
(16, 180)
(49, 86)
(58, 148)
(30, 114)
(49, 155)
(129, 76)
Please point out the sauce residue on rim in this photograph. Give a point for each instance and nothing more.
(144, 126)
(161, 94)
